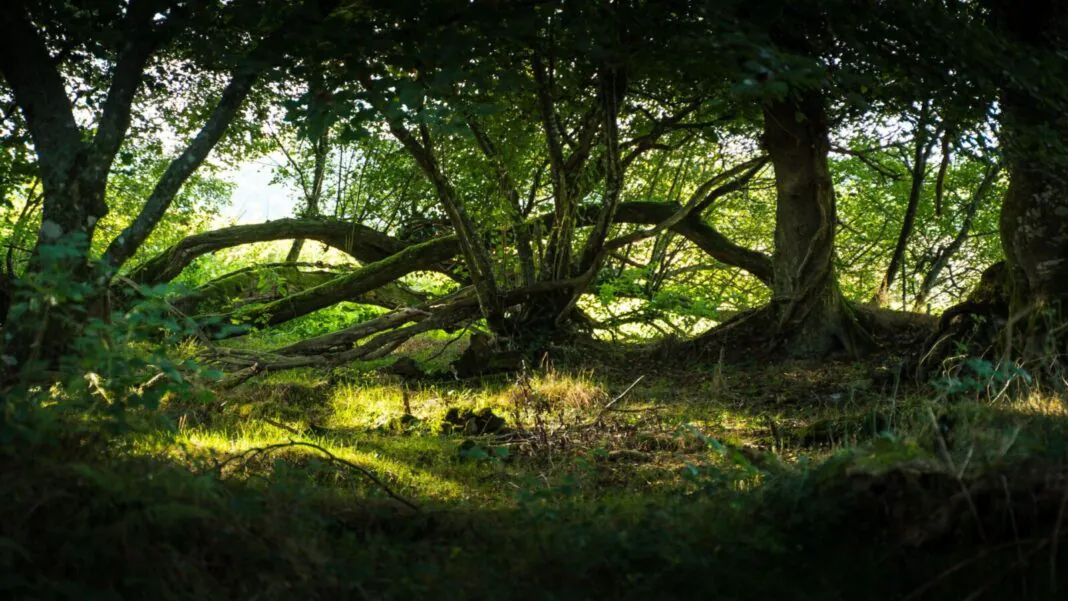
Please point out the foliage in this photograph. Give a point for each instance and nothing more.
(122, 360)
(546, 188)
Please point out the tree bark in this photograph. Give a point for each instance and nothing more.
(1034, 214)
(348, 287)
(359, 241)
(268, 283)
(813, 318)
(73, 197)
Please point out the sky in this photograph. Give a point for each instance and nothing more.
(255, 199)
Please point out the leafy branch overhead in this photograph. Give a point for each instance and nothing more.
(599, 169)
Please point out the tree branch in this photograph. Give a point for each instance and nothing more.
(141, 39)
(244, 77)
(940, 262)
(39, 91)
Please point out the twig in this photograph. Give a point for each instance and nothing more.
(622, 394)
(611, 403)
(248, 454)
(151, 382)
(281, 426)
(449, 343)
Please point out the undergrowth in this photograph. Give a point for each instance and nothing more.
(741, 482)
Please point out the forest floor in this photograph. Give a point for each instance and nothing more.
(604, 472)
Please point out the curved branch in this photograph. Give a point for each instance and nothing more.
(266, 283)
(369, 277)
(359, 241)
(387, 259)
(704, 236)
(244, 77)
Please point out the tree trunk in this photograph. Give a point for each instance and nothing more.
(321, 150)
(813, 317)
(75, 172)
(942, 260)
(919, 173)
(37, 339)
(1034, 214)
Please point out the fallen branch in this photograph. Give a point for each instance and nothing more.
(608, 407)
(249, 454)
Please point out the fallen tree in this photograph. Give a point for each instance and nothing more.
(375, 338)
(388, 259)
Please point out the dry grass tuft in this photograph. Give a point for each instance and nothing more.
(561, 390)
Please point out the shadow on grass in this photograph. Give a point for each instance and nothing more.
(78, 522)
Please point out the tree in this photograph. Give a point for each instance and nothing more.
(74, 165)
(813, 317)
(1034, 218)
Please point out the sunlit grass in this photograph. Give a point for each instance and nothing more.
(780, 417)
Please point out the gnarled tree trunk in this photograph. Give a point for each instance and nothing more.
(812, 316)
(1034, 214)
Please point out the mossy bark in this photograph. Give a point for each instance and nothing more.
(269, 283)
(348, 287)
(359, 241)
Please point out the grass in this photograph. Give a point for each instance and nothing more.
(668, 421)
(796, 480)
